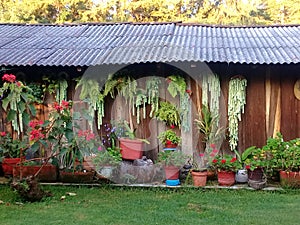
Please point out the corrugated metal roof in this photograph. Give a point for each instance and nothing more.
(127, 43)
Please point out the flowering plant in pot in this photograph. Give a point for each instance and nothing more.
(169, 138)
(286, 160)
(255, 161)
(226, 167)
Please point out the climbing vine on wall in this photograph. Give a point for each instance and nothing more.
(236, 104)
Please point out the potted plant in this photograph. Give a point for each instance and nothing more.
(199, 171)
(170, 139)
(106, 161)
(131, 147)
(255, 160)
(168, 113)
(226, 167)
(285, 158)
(10, 152)
(172, 161)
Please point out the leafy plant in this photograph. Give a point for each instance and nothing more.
(254, 157)
(168, 113)
(282, 155)
(172, 158)
(106, 158)
(9, 147)
(169, 137)
(123, 129)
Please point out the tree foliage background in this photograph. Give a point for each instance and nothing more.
(226, 12)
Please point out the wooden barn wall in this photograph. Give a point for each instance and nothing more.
(271, 103)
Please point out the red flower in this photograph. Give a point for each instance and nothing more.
(212, 154)
(57, 107)
(213, 146)
(248, 167)
(65, 104)
(168, 142)
(223, 161)
(3, 133)
(172, 126)
(215, 161)
(233, 160)
(9, 78)
(18, 84)
(201, 154)
(35, 135)
(35, 124)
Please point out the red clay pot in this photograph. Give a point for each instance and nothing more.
(226, 178)
(131, 149)
(8, 164)
(199, 178)
(47, 173)
(172, 172)
(291, 179)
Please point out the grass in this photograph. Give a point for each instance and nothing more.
(128, 205)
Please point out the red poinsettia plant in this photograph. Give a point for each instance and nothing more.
(225, 163)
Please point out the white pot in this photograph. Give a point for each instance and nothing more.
(241, 176)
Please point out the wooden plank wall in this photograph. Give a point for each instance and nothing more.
(271, 103)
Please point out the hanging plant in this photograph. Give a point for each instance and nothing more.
(152, 90)
(140, 101)
(90, 93)
(17, 101)
(177, 85)
(236, 104)
(168, 113)
(37, 91)
(58, 87)
(61, 90)
(211, 91)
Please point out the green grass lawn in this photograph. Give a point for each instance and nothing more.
(128, 205)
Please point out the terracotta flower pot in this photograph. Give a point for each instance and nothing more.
(199, 178)
(226, 178)
(8, 164)
(172, 172)
(290, 179)
(47, 173)
(131, 149)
